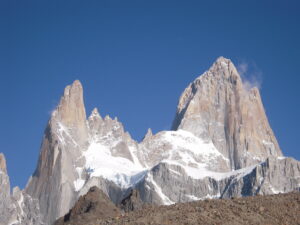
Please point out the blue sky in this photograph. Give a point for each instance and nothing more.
(134, 59)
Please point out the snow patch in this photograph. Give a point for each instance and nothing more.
(20, 203)
(63, 132)
(274, 190)
(193, 197)
(208, 196)
(78, 184)
(185, 140)
(201, 172)
(281, 157)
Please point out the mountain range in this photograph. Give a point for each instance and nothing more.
(220, 145)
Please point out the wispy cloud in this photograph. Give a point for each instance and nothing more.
(250, 74)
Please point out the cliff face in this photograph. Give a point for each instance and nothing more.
(217, 107)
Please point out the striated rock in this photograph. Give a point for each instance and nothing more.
(167, 184)
(217, 107)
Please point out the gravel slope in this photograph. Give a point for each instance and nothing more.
(273, 209)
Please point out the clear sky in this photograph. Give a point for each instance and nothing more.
(134, 59)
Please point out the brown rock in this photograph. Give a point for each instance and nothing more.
(93, 206)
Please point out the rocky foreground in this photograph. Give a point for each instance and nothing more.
(273, 209)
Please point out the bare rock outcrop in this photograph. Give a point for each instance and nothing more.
(92, 206)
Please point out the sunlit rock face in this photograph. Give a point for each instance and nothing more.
(217, 107)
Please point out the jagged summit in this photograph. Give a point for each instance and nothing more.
(71, 110)
(2, 162)
(217, 107)
(95, 114)
(148, 134)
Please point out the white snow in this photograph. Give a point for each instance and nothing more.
(267, 142)
(20, 203)
(78, 184)
(14, 222)
(274, 190)
(193, 197)
(186, 150)
(224, 63)
(64, 133)
(186, 140)
(132, 151)
(248, 154)
(201, 172)
(175, 172)
(208, 196)
(101, 163)
(281, 157)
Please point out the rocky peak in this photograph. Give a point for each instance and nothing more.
(71, 110)
(95, 115)
(2, 163)
(217, 107)
(149, 134)
(90, 207)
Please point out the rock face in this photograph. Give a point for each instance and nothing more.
(221, 146)
(18, 208)
(217, 106)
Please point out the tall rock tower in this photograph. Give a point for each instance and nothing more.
(65, 137)
(217, 106)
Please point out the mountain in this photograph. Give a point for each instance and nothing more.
(220, 146)
(18, 207)
(218, 107)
